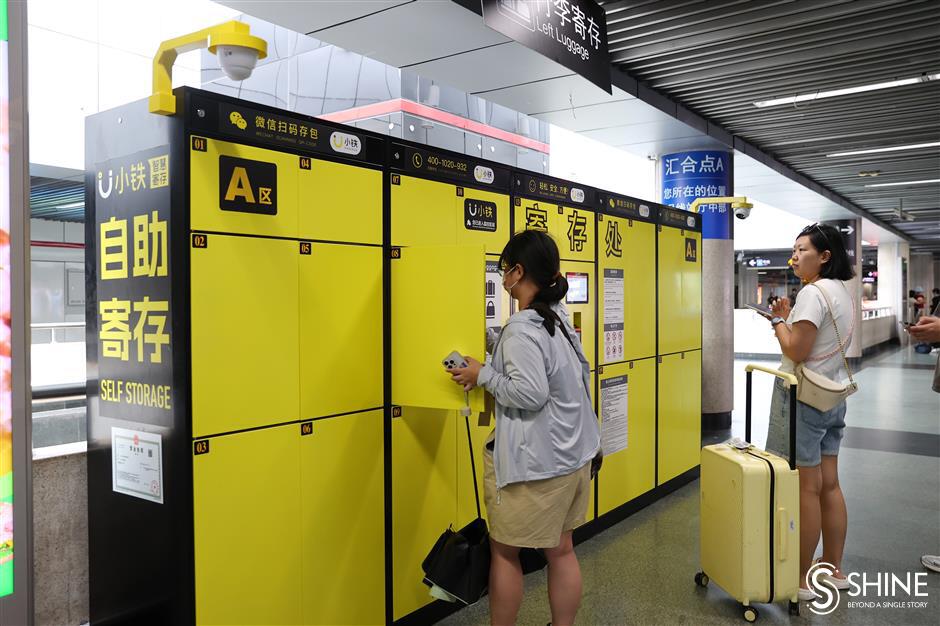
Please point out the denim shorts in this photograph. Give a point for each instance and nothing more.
(818, 433)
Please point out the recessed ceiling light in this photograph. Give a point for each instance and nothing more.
(817, 95)
(871, 173)
(910, 182)
(913, 146)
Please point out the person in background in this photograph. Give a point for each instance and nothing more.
(935, 302)
(539, 460)
(793, 293)
(920, 302)
(808, 334)
(927, 330)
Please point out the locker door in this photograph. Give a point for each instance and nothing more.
(244, 333)
(680, 419)
(247, 528)
(340, 202)
(680, 291)
(343, 521)
(424, 500)
(438, 306)
(630, 472)
(236, 188)
(422, 213)
(341, 352)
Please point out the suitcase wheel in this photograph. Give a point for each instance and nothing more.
(750, 614)
(701, 579)
(795, 608)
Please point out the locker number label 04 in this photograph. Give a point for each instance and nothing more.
(247, 186)
(691, 250)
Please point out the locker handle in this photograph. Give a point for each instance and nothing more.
(782, 535)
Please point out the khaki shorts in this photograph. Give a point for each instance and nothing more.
(534, 514)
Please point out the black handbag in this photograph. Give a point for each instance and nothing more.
(459, 562)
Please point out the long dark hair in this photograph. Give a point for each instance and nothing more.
(826, 237)
(538, 255)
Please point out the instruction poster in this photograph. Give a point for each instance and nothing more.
(137, 464)
(614, 414)
(613, 315)
(494, 300)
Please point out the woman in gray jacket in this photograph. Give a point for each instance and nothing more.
(538, 460)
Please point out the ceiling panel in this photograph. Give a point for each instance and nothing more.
(310, 17)
(556, 94)
(608, 115)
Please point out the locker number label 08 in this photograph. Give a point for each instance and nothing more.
(247, 186)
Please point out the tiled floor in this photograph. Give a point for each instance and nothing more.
(641, 570)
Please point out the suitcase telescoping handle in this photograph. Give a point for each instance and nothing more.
(791, 383)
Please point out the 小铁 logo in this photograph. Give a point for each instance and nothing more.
(881, 590)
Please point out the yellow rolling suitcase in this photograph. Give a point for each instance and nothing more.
(750, 517)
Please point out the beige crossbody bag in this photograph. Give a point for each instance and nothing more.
(818, 391)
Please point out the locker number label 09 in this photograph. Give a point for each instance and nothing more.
(201, 447)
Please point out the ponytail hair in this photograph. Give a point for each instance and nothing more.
(538, 255)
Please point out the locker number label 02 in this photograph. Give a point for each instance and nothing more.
(200, 241)
(691, 250)
(201, 447)
(306, 428)
(247, 186)
(479, 215)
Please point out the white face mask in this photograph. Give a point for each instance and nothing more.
(509, 289)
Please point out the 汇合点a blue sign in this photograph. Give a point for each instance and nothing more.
(700, 174)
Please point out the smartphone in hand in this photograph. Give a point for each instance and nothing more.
(766, 311)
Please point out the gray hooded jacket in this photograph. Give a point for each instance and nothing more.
(545, 423)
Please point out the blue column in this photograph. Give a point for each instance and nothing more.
(700, 174)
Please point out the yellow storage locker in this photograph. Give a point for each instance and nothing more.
(680, 413)
(437, 307)
(244, 307)
(629, 472)
(235, 188)
(422, 212)
(626, 256)
(340, 329)
(680, 290)
(342, 523)
(246, 526)
(424, 500)
(339, 202)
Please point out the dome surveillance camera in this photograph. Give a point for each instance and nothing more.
(742, 212)
(237, 61)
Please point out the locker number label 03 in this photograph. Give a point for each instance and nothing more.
(691, 250)
(479, 215)
(247, 186)
(201, 447)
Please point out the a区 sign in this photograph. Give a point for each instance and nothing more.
(570, 32)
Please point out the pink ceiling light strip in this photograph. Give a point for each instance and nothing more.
(400, 105)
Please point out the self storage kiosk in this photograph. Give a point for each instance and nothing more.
(271, 435)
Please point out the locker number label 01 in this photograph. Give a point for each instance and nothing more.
(247, 186)
(201, 447)
(306, 428)
(479, 215)
(200, 241)
(199, 144)
(691, 250)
